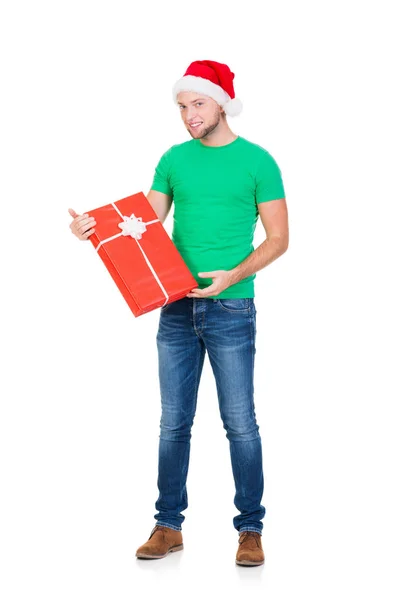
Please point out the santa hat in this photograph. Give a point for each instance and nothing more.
(211, 79)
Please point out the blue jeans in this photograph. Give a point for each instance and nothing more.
(226, 328)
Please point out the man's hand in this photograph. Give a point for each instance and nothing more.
(221, 281)
(82, 225)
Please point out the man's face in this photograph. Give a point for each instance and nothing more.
(200, 114)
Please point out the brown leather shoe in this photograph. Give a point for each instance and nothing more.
(162, 540)
(250, 552)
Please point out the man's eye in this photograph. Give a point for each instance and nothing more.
(199, 103)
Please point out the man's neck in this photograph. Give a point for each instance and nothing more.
(220, 138)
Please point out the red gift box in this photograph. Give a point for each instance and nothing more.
(139, 254)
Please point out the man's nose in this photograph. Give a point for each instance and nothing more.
(191, 112)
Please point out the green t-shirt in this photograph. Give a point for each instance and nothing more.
(215, 192)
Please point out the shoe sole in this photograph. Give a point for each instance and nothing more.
(249, 563)
(172, 549)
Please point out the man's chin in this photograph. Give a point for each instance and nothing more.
(195, 134)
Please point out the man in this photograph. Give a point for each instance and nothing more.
(220, 183)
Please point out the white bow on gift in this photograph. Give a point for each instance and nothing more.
(133, 226)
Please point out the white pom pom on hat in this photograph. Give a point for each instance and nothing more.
(212, 79)
(233, 107)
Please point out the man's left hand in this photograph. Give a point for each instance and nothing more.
(221, 281)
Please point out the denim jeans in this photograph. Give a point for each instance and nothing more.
(226, 329)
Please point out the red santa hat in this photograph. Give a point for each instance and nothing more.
(211, 79)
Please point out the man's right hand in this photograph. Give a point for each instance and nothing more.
(82, 225)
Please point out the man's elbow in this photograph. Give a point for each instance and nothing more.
(281, 243)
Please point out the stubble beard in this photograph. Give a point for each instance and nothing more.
(209, 128)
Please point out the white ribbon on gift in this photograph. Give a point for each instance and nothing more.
(135, 227)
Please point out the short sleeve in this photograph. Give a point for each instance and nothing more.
(161, 179)
(269, 184)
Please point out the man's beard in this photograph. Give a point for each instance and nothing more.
(210, 128)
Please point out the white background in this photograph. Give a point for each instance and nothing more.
(86, 112)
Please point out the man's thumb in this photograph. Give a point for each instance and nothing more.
(73, 213)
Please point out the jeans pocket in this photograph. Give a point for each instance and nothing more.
(235, 304)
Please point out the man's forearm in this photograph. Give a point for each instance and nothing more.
(262, 256)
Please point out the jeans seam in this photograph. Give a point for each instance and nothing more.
(252, 337)
(197, 382)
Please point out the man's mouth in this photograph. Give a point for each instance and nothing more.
(195, 125)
